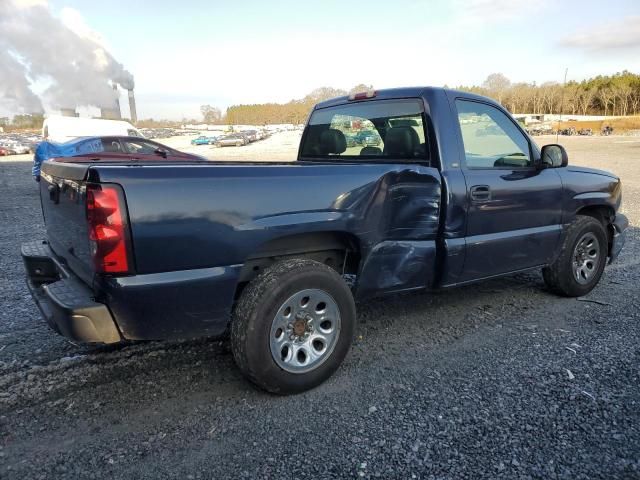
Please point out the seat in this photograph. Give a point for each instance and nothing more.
(112, 146)
(401, 142)
(332, 141)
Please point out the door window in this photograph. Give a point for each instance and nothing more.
(140, 147)
(490, 137)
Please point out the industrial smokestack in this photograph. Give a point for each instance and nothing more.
(117, 104)
(132, 107)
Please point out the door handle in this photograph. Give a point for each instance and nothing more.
(480, 193)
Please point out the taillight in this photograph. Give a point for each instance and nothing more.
(106, 218)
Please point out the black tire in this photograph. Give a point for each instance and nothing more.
(256, 309)
(559, 276)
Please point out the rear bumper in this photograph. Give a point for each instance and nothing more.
(65, 302)
(156, 306)
(620, 224)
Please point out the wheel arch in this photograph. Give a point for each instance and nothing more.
(605, 215)
(337, 249)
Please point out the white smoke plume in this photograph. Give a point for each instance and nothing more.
(15, 94)
(36, 45)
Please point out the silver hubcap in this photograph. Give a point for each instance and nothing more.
(586, 257)
(305, 331)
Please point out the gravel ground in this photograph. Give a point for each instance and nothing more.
(495, 380)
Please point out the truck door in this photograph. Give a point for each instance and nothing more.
(514, 209)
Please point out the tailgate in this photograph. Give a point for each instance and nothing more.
(63, 197)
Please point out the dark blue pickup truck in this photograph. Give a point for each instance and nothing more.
(276, 253)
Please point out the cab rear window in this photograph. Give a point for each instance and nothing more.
(382, 130)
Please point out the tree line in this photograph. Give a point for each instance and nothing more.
(617, 94)
(294, 111)
(22, 122)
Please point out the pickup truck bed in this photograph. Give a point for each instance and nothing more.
(180, 258)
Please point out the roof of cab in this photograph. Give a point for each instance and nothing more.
(404, 92)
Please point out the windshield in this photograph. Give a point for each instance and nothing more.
(383, 130)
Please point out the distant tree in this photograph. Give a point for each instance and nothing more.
(551, 95)
(323, 93)
(361, 87)
(497, 84)
(606, 96)
(27, 121)
(210, 114)
(585, 98)
(570, 98)
(624, 91)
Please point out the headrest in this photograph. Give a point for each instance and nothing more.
(332, 141)
(401, 142)
(370, 151)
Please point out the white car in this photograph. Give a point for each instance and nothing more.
(19, 148)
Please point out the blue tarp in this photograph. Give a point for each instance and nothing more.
(46, 150)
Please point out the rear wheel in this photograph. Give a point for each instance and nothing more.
(293, 326)
(582, 259)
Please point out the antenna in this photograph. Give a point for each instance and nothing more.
(564, 86)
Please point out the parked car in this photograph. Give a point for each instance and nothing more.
(276, 253)
(4, 152)
(367, 138)
(250, 135)
(204, 140)
(234, 139)
(111, 148)
(17, 148)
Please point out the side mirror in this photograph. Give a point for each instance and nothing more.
(553, 156)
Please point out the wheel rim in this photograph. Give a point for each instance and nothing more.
(304, 331)
(586, 258)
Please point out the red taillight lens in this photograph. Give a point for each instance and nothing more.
(107, 229)
(363, 95)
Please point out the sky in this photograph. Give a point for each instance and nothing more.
(193, 52)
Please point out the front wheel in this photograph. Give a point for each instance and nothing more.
(581, 261)
(293, 326)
